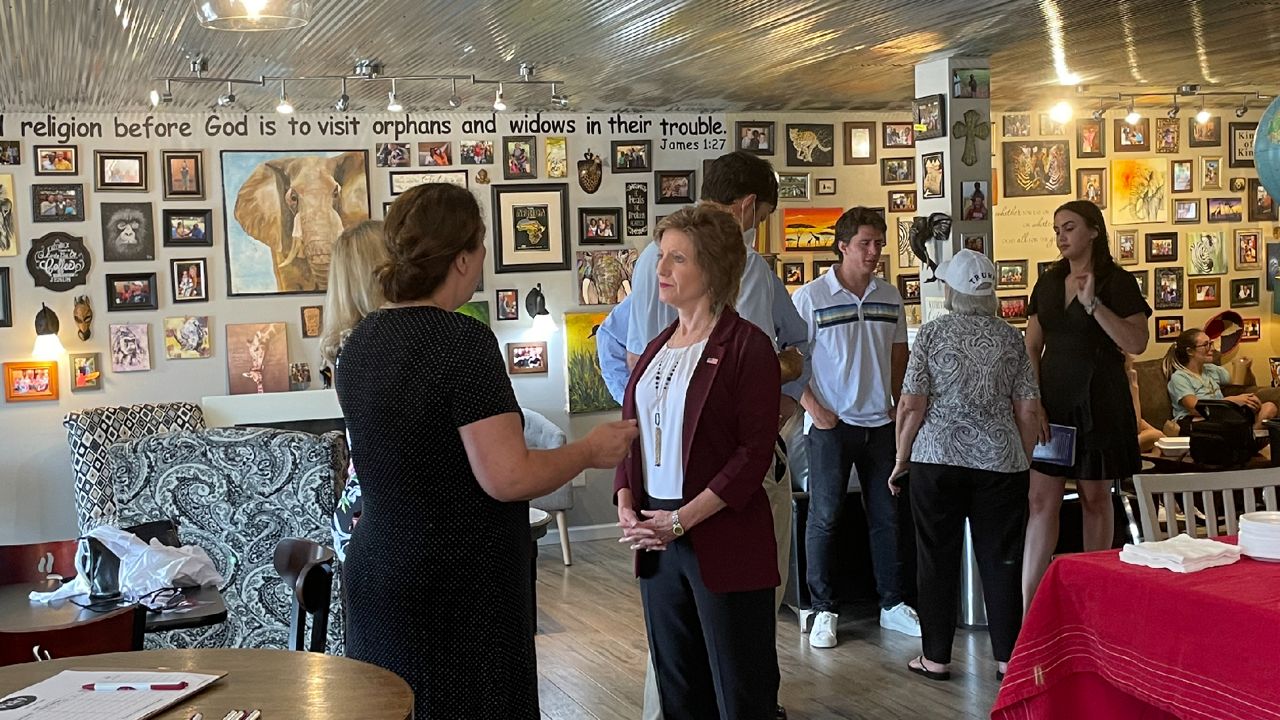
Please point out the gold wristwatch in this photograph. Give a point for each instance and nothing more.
(676, 527)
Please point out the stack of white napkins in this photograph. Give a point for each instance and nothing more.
(1182, 554)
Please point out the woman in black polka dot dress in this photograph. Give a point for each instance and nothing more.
(437, 571)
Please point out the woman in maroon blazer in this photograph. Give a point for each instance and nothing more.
(689, 494)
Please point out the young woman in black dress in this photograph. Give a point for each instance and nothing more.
(1085, 314)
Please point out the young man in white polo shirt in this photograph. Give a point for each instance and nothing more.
(858, 336)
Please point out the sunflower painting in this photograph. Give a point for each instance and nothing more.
(1139, 191)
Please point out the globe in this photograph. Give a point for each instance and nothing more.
(1266, 148)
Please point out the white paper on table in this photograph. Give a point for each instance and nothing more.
(63, 697)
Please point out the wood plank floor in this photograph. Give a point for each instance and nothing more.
(592, 648)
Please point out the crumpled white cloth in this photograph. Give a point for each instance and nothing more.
(1182, 554)
(79, 586)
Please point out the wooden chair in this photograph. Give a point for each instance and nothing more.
(116, 631)
(306, 567)
(36, 561)
(1249, 486)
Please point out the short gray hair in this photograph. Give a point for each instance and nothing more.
(962, 304)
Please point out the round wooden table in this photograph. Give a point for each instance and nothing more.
(281, 683)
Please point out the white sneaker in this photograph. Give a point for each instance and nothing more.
(900, 618)
(823, 634)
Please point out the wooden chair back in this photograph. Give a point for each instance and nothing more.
(306, 567)
(116, 631)
(34, 562)
(1220, 496)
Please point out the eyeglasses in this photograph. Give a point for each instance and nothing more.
(1205, 344)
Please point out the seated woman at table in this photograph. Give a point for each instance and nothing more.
(1194, 379)
(437, 571)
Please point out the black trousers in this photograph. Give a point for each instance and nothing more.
(942, 496)
(714, 654)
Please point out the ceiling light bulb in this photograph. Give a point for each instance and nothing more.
(393, 105)
(1203, 116)
(454, 100)
(284, 107)
(1133, 116)
(1061, 112)
(155, 97)
(498, 103)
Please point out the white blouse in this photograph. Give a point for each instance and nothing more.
(660, 397)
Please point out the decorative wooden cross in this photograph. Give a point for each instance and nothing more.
(971, 129)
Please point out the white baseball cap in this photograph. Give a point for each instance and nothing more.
(969, 272)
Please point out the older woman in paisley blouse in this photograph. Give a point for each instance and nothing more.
(966, 424)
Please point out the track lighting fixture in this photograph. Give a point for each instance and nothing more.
(1240, 111)
(499, 104)
(1097, 114)
(344, 100)
(284, 107)
(228, 98)
(454, 100)
(393, 105)
(1173, 111)
(559, 100)
(158, 97)
(1133, 117)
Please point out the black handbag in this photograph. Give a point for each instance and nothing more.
(1224, 438)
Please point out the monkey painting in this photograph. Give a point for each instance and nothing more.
(127, 232)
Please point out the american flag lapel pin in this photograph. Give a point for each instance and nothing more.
(713, 361)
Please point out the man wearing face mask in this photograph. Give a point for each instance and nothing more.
(745, 186)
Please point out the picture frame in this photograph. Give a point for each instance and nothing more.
(519, 157)
(929, 114)
(1168, 288)
(119, 171)
(810, 144)
(10, 233)
(1013, 308)
(1262, 207)
(132, 291)
(793, 274)
(311, 318)
(1143, 278)
(130, 345)
(1091, 185)
(971, 83)
(1240, 147)
(933, 174)
(897, 171)
(527, 358)
(187, 337)
(475, 152)
(392, 155)
(1015, 125)
(128, 231)
(6, 298)
(530, 228)
(1245, 292)
(1162, 247)
(826, 186)
(436, 153)
(604, 277)
(1186, 211)
(1168, 135)
(1132, 138)
(507, 302)
(56, 159)
(402, 180)
(1168, 328)
(257, 358)
(1011, 274)
(1034, 168)
(600, 226)
(1204, 292)
(1224, 209)
(189, 280)
(1236, 184)
(31, 380)
(1126, 249)
(793, 187)
(673, 187)
(631, 156)
(555, 150)
(187, 227)
(61, 202)
(1050, 127)
(825, 265)
(976, 242)
(1206, 253)
(1180, 174)
(86, 371)
(183, 174)
(1091, 138)
(973, 201)
(908, 288)
(10, 152)
(756, 136)
(1204, 134)
(895, 135)
(1210, 173)
(1250, 329)
(1248, 249)
(860, 143)
(901, 201)
(809, 229)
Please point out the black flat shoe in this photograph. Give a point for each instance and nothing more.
(781, 714)
(922, 670)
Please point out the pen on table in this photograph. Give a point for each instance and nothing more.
(255, 715)
(233, 715)
(100, 687)
(196, 716)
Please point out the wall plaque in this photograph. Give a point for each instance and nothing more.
(58, 261)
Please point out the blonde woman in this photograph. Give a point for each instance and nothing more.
(353, 293)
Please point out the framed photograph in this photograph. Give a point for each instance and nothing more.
(897, 135)
(475, 152)
(1181, 172)
(909, 288)
(1168, 328)
(1016, 125)
(604, 276)
(128, 232)
(1248, 244)
(183, 172)
(1139, 186)
(6, 298)
(973, 201)
(1186, 211)
(1013, 309)
(190, 280)
(24, 381)
(897, 171)
(257, 358)
(971, 83)
(1210, 173)
(901, 201)
(1091, 138)
(1206, 253)
(392, 155)
(508, 304)
(882, 268)
(1236, 184)
(1126, 250)
(826, 186)
(1251, 329)
(1043, 266)
(1168, 135)
(793, 274)
(530, 228)
(130, 347)
(1204, 134)
(1011, 274)
(312, 317)
(599, 226)
(1262, 207)
(131, 291)
(1133, 138)
(1205, 293)
(519, 157)
(1143, 278)
(10, 152)
(9, 233)
(810, 145)
(809, 229)
(675, 187)
(1162, 247)
(402, 180)
(57, 203)
(821, 267)
(930, 115)
(976, 242)
(631, 156)
(1050, 127)
(86, 371)
(187, 227)
(187, 337)
(1244, 292)
(1169, 284)
(906, 258)
(1224, 209)
(527, 358)
(860, 143)
(57, 159)
(1240, 149)
(116, 171)
(556, 152)
(435, 154)
(755, 136)
(1091, 185)
(793, 186)
(1033, 168)
(933, 182)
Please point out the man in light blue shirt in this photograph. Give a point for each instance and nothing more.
(611, 349)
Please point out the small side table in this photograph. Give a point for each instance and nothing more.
(538, 522)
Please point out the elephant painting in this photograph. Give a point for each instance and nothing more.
(289, 208)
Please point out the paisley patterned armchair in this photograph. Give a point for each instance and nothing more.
(236, 492)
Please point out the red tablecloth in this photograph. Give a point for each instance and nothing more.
(1105, 640)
